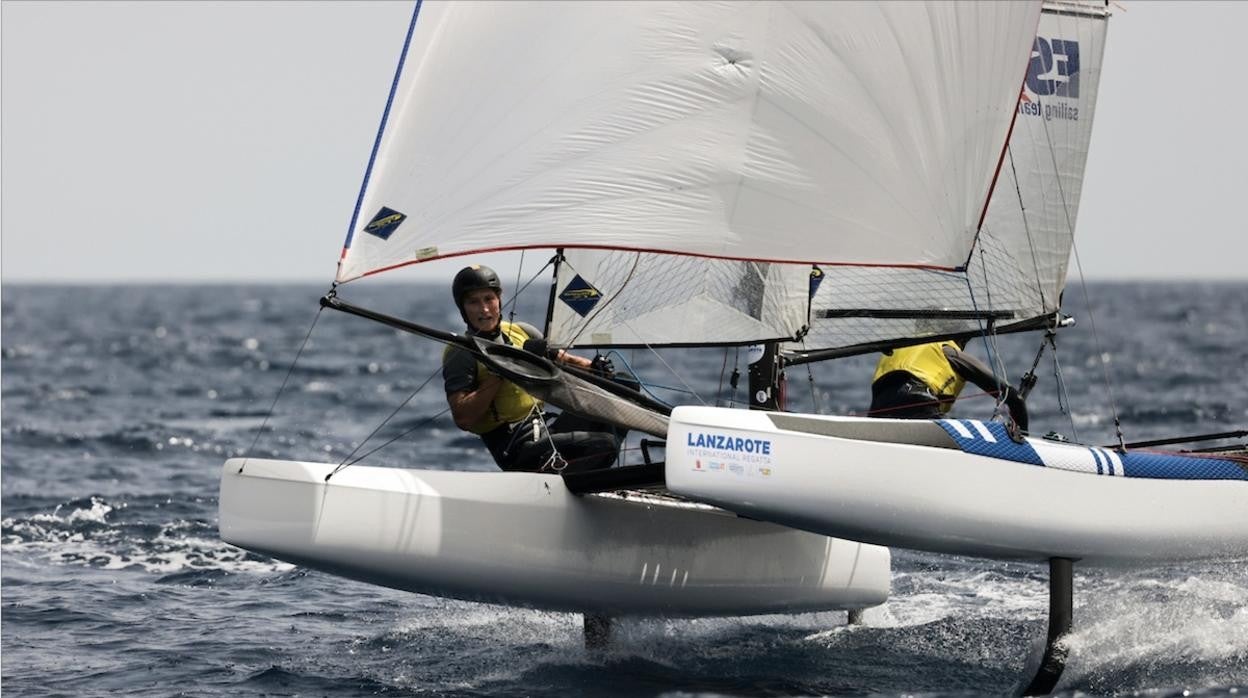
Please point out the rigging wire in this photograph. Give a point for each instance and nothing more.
(607, 302)
(1070, 228)
(515, 296)
(735, 380)
(645, 384)
(990, 345)
(1063, 398)
(1031, 243)
(387, 420)
(719, 391)
(423, 423)
(511, 304)
(289, 371)
(623, 285)
(668, 366)
(814, 389)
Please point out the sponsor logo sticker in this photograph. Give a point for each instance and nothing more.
(1052, 85)
(384, 223)
(580, 295)
(742, 456)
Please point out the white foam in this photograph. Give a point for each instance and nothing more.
(1136, 617)
(55, 538)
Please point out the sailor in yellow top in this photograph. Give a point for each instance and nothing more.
(509, 420)
(923, 381)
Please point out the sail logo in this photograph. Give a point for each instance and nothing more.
(384, 223)
(1052, 72)
(580, 296)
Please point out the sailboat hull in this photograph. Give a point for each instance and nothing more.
(959, 486)
(524, 539)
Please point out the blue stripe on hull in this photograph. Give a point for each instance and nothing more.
(1002, 446)
(1158, 465)
(969, 435)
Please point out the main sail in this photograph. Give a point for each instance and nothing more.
(1017, 269)
(840, 133)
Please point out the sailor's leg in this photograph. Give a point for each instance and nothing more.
(586, 450)
(1061, 598)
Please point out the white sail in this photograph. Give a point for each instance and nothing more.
(1036, 202)
(608, 298)
(840, 132)
(1018, 267)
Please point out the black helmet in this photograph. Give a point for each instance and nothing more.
(471, 279)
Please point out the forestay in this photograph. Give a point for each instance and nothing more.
(851, 133)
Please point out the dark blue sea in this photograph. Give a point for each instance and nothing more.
(120, 404)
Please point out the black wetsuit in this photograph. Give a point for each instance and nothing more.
(902, 395)
(582, 444)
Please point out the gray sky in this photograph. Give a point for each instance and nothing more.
(199, 141)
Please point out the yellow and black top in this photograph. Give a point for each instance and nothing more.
(928, 363)
(461, 371)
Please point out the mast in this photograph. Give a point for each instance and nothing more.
(766, 377)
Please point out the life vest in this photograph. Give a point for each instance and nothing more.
(511, 404)
(926, 362)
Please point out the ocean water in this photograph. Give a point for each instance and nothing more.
(121, 402)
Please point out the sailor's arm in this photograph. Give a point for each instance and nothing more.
(539, 346)
(573, 360)
(977, 372)
(468, 407)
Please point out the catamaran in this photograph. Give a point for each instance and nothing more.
(814, 179)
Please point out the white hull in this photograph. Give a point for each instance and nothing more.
(947, 500)
(524, 539)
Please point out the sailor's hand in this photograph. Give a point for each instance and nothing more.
(1018, 408)
(542, 348)
(602, 366)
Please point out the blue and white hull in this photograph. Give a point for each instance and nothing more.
(959, 486)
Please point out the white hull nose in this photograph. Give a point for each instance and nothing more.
(523, 539)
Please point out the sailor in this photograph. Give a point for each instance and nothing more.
(509, 420)
(923, 381)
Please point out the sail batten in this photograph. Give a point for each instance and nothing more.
(840, 133)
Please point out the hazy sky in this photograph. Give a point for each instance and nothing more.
(200, 141)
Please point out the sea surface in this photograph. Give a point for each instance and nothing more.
(120, 404)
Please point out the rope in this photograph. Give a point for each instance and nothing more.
(924, 403)
(289, 371)
(645, 384)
